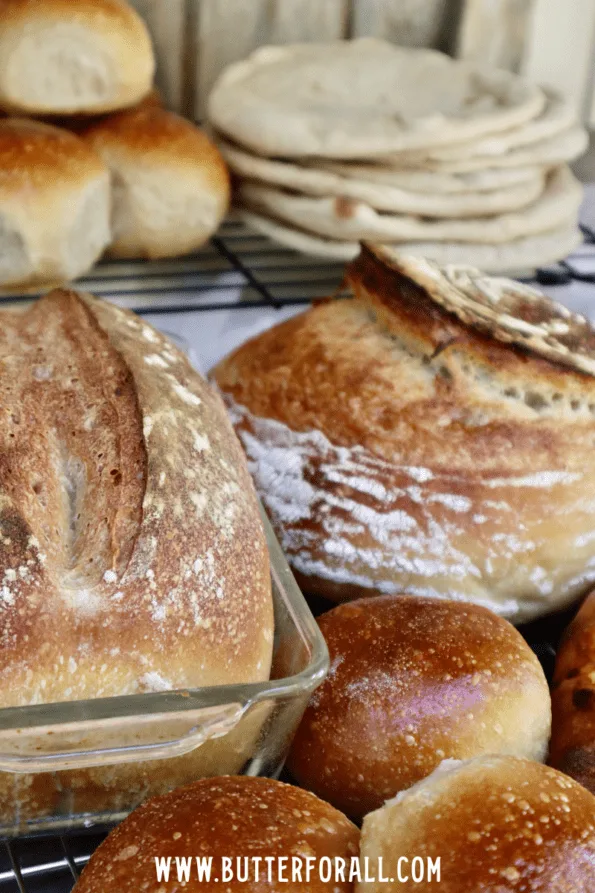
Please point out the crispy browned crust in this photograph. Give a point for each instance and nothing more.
(237, 818)
(573, 700)
(496, 823)
(132, 555)
(414, 682)
(444, 461)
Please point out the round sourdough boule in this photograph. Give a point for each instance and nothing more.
(54, 205)
(63, 57)
(234, 817)
(497, 825)
(171, 186)
(413, 682)
(433, 435)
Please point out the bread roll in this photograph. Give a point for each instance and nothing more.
(413, 682)
(573, 700)
(432, 436)
(133, 557)
(497, 824)
(170, 184)
(64, 57)
(54, 205)
(245, 818)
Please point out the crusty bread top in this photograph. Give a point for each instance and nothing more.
(132, 556)
(152, 136)
(235, 817)
(394, 372)
(101, 14)
(41, 157)
(120, 55)
(497, 823)
(506, 310)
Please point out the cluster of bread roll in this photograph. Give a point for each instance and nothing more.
(335, 143)
(106, 167)
(431, 728)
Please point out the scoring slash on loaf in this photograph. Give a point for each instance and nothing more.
(132, 557)
(171, 187)
(434, 435)
(54, 205)
(63, 57)
(495, 823)
(414, 682)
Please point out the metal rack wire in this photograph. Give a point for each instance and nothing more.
(239, 270)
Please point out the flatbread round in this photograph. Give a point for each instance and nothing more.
(564, 147)
(516, 257)
(418, 180)
(345, 219)
(508, 311)
(558, 116)
(365, 97)
(311, 181)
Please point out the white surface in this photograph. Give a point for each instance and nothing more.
(214, 334)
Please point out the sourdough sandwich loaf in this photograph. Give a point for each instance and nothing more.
(132, 556)
(433, 435)
(62, 57)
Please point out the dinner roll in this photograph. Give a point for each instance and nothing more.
(60, 57)
(170, 185)
(234, 817)
(497, 824)
(54, 205)
(414, 681)
(573, 700)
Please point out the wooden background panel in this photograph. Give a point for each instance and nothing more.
(416, 23)
(495, 32)
(167, 22)
(559, 49)
(227, 32)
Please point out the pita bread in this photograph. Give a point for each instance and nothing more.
(345, 219)
(557, 117)
(518, 257)
(383, 197)
(418, 180)
(506, 310)
(564, 147)
(364, 97)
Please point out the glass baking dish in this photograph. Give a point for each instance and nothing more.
(75, 764)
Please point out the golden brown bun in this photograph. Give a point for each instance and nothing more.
(399, 448)
(232, 817)
(573, 700)
(170, 184)
(64, 57)
(498, 825)
(414, 682)
(54, 205)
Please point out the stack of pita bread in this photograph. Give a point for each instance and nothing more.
(355, 140)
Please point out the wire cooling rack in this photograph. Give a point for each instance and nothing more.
(239, 284)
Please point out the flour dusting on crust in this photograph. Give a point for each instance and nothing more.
(348, 517)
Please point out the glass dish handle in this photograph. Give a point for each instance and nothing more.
(89, 744)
